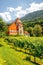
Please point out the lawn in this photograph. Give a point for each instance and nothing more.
(9, 56)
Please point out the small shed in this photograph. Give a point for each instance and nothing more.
(26, 33)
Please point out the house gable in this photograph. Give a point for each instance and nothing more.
(12, 29)
(16, 27)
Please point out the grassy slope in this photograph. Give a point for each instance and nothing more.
(9, 56)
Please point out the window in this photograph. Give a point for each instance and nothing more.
(12, 31)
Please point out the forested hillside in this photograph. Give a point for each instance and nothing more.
(33, 15)
(32, 19)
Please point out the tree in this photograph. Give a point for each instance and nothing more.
(37, 30)
(3, 27)
(30, 30)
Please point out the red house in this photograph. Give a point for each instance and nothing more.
(16, 27)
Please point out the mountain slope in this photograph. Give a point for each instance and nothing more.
(33, 15)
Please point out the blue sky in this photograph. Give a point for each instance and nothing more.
(11, 9)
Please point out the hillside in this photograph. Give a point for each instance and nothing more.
(31, 19)
(33, 15)
(9, 56)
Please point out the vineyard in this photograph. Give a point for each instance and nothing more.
(21, 50)
(33, 46)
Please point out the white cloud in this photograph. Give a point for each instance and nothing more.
(6, 16)
(19, 11)
(11, 9)
(34, 7)
(19, 8)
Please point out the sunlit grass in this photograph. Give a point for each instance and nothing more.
(9, 56)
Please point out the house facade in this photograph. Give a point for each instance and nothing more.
(16, 27)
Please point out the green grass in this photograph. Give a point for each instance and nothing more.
(9, 56)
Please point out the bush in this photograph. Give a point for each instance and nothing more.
(37, 30)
